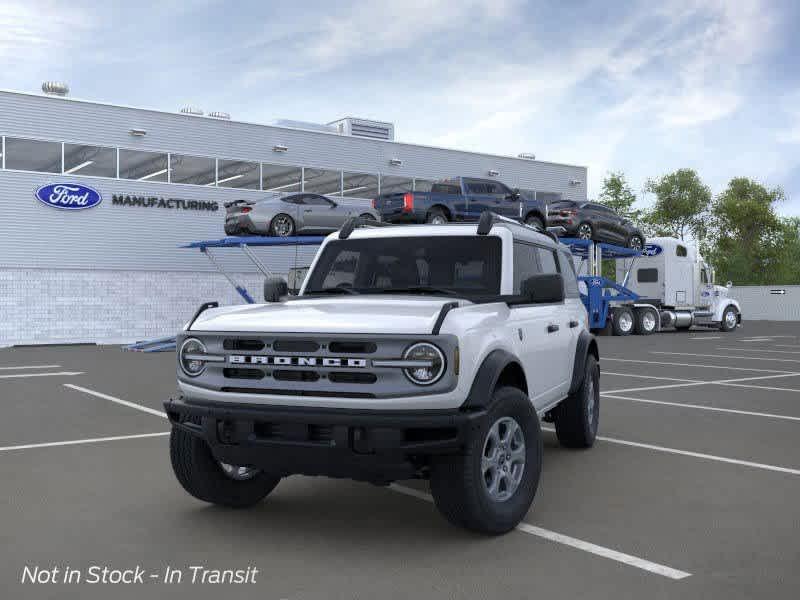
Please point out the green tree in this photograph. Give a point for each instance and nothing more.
(618, 195)
(681, 205)
(749, 242)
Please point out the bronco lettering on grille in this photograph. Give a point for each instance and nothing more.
(298, 361)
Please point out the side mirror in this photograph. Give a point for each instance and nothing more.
(514, 195)
(275, 288)
(729, 285)
(544, 288)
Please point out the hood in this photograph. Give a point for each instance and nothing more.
(367, 314)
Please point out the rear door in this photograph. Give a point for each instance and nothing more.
(477, 197)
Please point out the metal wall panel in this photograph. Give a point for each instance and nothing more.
(768, 303)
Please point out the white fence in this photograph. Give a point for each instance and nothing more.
(768, 302)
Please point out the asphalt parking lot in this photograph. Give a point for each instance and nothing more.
(692, 491)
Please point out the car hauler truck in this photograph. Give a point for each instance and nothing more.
(667, 285)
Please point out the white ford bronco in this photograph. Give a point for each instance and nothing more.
(411, 352)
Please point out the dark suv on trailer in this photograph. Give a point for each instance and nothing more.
(593, 221)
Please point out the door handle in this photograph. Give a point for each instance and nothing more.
(573, 324)
(552, 328)
(307, 210)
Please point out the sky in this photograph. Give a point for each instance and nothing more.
(639, 87)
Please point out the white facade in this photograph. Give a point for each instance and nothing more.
(114, 272)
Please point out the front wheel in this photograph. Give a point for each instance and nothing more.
(212, 481)
(584, 231)
(730, 319)
(489, 488)
(635, 242)
(577, 417)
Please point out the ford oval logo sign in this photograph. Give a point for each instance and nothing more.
(68, 196)
(652, 250)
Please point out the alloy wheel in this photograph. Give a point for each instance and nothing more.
(585, 231)
(282, 226)
(503, 459)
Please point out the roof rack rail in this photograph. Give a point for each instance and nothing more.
(489, 218)
(354, 223)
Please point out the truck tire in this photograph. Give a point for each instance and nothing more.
(489, 488)
(436, 216)
(622, 320)
(730, 319)
(204, 477)
(577, 417)
(646, 321)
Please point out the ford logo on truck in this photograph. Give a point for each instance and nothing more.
(652, 250)
(68, 196)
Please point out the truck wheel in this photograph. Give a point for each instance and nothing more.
(577, 417)
(208, 480)
(489, 488)
(436, 217)
(730, 319)
(622, 321)
(584, 231)
(646, 321)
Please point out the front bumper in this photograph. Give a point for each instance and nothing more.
(377, 446)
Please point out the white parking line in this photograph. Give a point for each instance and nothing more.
(30, 367)
(711, 457)
(786, 345)
(86, 441)
(24, 375)
(677, 364)
(650, 377)
(146, 409)
(711, 337)
(732, 382)
(759, 350)
(621, 557)
(747, 413)
(793, 360)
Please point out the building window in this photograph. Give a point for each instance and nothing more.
(280, 178)
(144, 166)
(396, 185)
(323, 181)
(196, 170)
(90, 160)
(33, 155)
(360, 185)
(423, 185)
(238, 174)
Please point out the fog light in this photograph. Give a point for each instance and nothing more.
(191, 357)
(431, 373)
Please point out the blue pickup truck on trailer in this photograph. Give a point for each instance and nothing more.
(461, 199)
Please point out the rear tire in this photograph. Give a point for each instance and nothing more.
(535, 222)
(577, 417)
(646, 321)
(282, 225)
(202, 476)
(622, 320)
(436, 216)
(461, 484)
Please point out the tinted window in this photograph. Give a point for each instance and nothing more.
(497, 188)
(570, 277)
(90, 160)
(680, 251)
(33, 155)
(469, 266)
(647, 275)
(476, 188)
(445, 188)
(526, 264)
(315, 200)
(293, 200)
(547, 260)
(703, 276)
(144, 166)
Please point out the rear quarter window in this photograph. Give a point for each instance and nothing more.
(446, 188)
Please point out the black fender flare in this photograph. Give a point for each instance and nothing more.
(586, 345)
(486, 379)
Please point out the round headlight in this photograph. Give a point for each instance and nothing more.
(425, 375)
(190, 357)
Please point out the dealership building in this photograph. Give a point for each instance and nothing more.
(113, 272)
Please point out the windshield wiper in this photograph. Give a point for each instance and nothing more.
(416, 289)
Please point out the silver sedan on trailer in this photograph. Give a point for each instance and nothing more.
(282, 215)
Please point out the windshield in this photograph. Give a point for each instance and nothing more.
(467, 266)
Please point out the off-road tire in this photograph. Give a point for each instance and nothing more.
(536, 222)
(457, 483)
(640, 327)
(723, 326)
(202, 476)
(619, 322)
(577, 417)
(292, 226)
(435, 213)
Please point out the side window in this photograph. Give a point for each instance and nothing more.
(680, 251)
(547, 260)
(293, 199)
(526, 264)
(570, 277)
(703, 276)
(647, 276)
(491, 188)
(474, 187)
(343, 270)
(316, 200)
